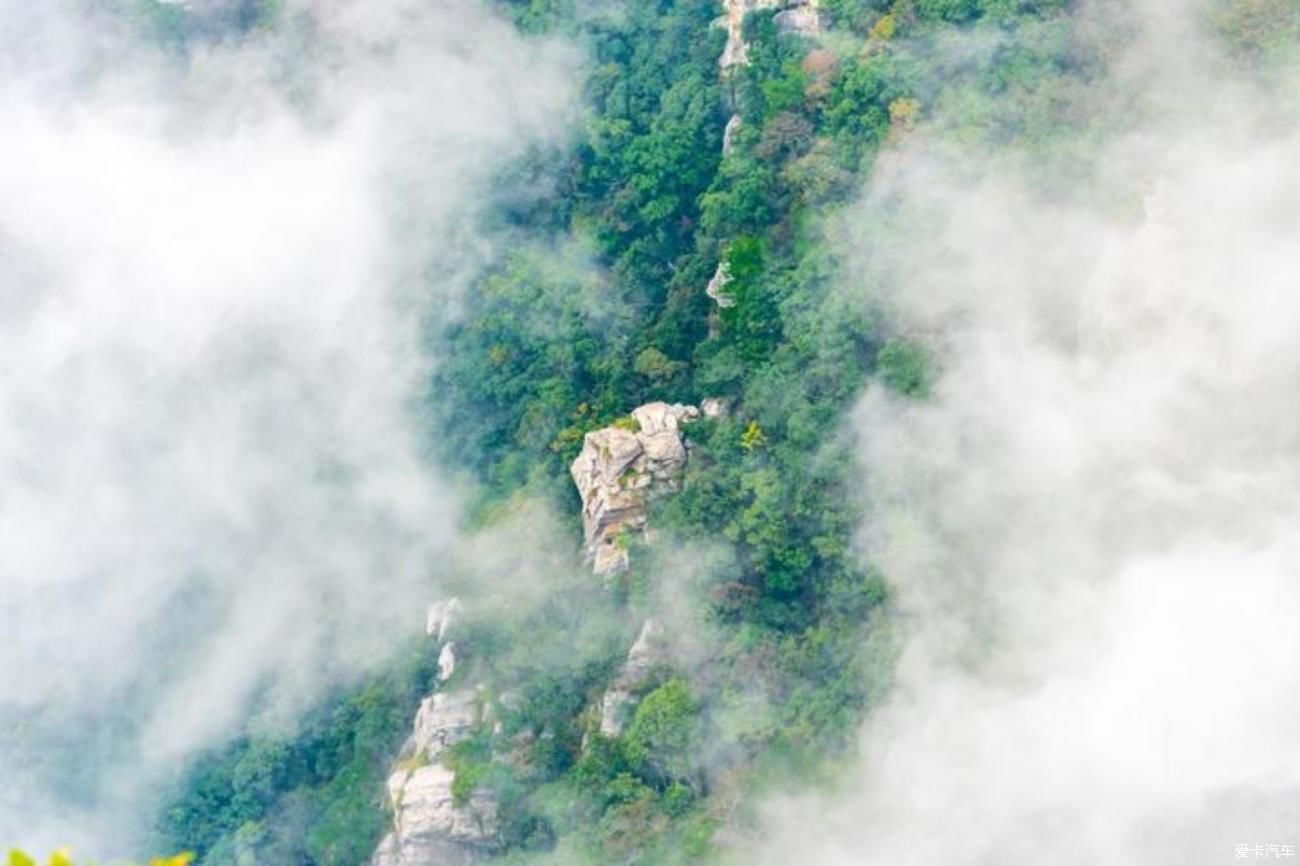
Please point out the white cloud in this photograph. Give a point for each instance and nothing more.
(1092, 522)
(214, 274)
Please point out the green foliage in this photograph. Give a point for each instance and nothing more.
(855, 15)
(664, 732)
(310, 796)
(596, 304)
(658, 367)
(179, 27)
(471, 761)
(904, 367)
(1258, 27)
(968, 11)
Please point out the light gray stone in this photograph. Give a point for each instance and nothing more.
(729, 134)
(620, 699)
(717, 286)
(429, 827)
(444, 719)
(619, 470)
(447, 661)
(440, 617)
(804, 20)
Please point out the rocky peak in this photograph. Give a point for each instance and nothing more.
(619, 469)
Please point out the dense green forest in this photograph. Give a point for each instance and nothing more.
(638, 213)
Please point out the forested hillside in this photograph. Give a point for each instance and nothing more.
(682, 177)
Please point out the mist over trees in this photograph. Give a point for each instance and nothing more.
(544, 293)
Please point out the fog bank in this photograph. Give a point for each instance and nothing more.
(1091, 522)
(214, 269)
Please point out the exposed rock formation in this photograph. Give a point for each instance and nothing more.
(617, 472)
(713, 407)
(440, 617)
(798, 16)
(721, 277)
(620, 700)
(729, 133)
(446, 661)
(800, 19)
(443, 720)
(429, 826)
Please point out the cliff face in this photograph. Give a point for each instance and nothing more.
(431, 826)
(618, 472)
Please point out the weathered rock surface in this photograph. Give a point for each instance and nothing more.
(621, 698)
(440, 618)
(729, 133)
(443, 720)
(429, 827)
(799, 16)
(715, 288)
(800, 19)
(447, 661)
(619, 470)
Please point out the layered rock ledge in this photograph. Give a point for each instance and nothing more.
(430, 824)
(619, 469)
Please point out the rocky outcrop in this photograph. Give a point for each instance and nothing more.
(721, 277)
(804, 19)
(440, 617)
(430, 826)
(729, 134)
(446, 661)
(623, 694)
(713, 407)
(444, 719)
(619, 469)
(797, 16)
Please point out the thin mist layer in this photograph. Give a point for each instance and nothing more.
(1091, 518)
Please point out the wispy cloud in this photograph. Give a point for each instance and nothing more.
(214, 273)
(1091, 523)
